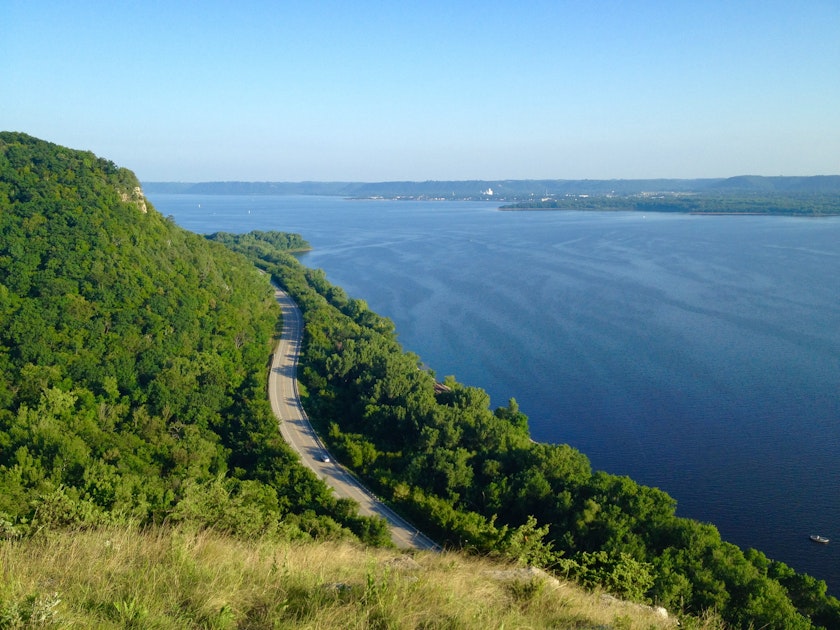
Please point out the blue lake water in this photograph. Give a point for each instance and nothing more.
(697, 354)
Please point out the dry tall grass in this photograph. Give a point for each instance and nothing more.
(166, 578)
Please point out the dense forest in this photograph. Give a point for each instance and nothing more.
(472, 478)
(134, 366)
(133, 359)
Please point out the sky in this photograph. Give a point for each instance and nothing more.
(429, 90)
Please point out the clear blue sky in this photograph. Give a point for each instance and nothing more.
(376, 91)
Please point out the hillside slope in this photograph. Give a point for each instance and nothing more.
(171, 578)
(132, 365)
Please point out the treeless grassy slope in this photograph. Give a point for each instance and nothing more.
(174, 578)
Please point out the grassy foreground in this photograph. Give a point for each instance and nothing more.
(166, 578)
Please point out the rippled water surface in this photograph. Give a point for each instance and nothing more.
(697, 354)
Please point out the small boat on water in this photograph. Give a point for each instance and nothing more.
(819, 539)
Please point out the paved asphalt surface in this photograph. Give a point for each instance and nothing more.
(298, 432)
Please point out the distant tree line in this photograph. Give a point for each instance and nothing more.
(816, 204)
(262, 244)
(515, 189)
(472, 478)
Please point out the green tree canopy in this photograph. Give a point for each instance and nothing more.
(132, 363)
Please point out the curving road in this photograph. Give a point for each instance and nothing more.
(297, 431)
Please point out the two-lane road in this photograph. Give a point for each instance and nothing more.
(297, 431)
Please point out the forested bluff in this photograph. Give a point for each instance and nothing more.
(134, 370)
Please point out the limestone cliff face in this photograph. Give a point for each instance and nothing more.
(136, 197)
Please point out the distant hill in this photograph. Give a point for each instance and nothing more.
(510, 190)
(817, 184)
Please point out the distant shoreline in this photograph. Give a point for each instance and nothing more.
(748, 195)
(517, 190)
(722, 213)
(799, 205)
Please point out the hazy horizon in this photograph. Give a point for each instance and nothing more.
(377, 92)
(475, 179)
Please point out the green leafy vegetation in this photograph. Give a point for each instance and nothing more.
(133, 360)
(258, 244)
(796, 204)
(473, 479)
